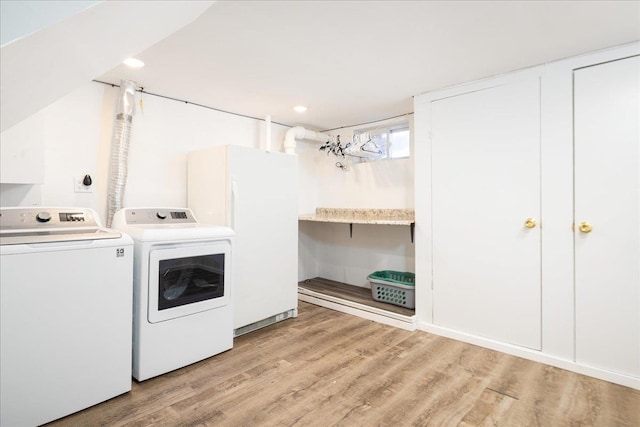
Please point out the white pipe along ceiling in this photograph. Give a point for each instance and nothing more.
(298, 132)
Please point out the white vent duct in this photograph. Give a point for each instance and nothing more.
(301, 133)
(120, 148)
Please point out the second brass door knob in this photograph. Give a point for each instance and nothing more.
(585, 227)
(530, 223)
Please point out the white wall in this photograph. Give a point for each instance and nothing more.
(166, 132)
(70, 131)
(379, 184)
(326, 250)
(78, 132)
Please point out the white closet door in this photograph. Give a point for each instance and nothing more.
(486, 183)
(607, 187)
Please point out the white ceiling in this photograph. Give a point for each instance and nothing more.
(46, 55)
(21, 18)
(359, 61)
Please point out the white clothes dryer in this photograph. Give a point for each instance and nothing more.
(65, 308)
(182, 288)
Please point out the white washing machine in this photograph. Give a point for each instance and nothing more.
(65, 308)
(182, 305)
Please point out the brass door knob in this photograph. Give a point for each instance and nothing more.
(530, 223)
(585, 227)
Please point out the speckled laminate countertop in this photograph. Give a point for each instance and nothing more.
(362, 216)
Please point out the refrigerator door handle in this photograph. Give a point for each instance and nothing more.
(235, 203)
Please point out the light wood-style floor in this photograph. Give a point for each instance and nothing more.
(326, 368)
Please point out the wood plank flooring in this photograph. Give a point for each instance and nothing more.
(351, 293)
(326, 368)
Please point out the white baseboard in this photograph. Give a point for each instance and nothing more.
(537, 356)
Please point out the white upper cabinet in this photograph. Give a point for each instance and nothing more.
(486, 211)
(22, 152)
(607, 215)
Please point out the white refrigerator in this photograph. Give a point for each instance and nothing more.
(254, 192)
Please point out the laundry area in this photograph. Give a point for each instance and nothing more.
(254, 213)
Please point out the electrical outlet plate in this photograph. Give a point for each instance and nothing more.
(79, 187)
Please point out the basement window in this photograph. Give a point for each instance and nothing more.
(394, 142)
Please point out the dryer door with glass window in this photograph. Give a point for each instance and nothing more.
(188, 279)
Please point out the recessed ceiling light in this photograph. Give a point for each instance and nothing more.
(133, 63)
(299, 108)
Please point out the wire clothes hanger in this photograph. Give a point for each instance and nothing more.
(361, 146)
(377, 149)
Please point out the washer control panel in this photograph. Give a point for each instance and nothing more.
(72, 216)
(145, 216)
(38, 217)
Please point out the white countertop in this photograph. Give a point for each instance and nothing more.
(362, 216)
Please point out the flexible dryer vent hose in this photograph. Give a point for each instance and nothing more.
(120, 148)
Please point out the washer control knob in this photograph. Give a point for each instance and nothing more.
(43, 217)
(161, 215)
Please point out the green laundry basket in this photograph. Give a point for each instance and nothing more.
(393, 287)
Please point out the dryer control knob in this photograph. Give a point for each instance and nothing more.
(43, 217)
(161, 215)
